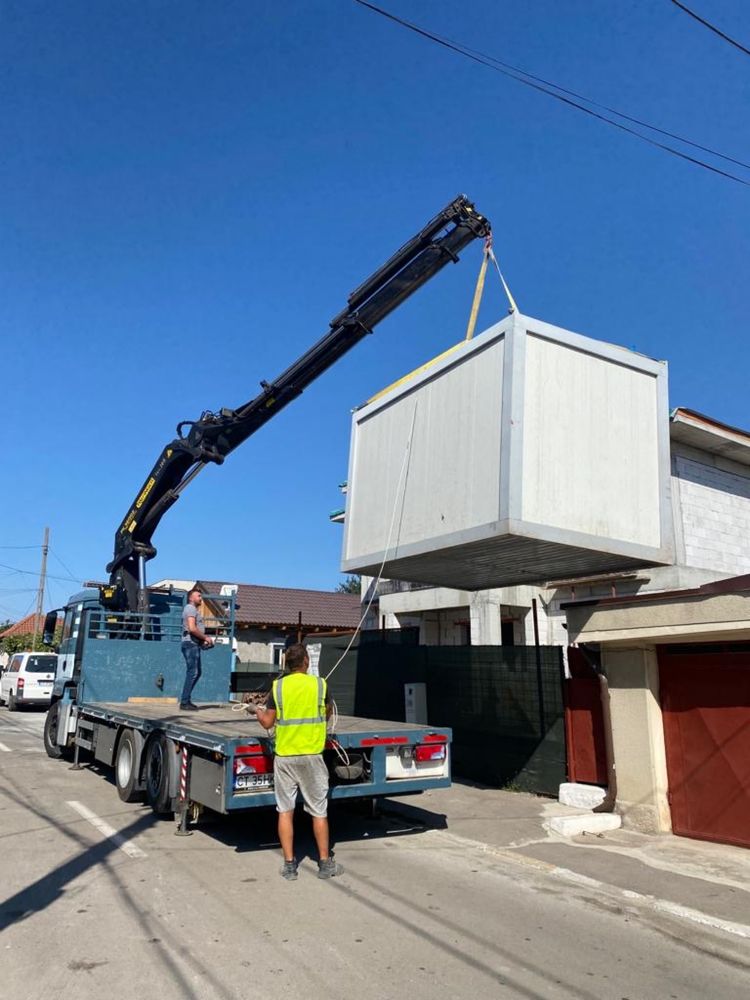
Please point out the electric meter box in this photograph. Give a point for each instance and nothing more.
(526, 455)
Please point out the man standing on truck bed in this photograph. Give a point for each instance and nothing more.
(299, 706)
(194, 639)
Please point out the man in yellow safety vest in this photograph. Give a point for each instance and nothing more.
(299, 706)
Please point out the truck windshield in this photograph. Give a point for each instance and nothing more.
(41, 664)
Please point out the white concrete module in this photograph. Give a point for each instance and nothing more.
(527, 454)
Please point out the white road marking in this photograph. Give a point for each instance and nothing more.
(3, 747)
(576, 878)
(697, 916)
(106, 830)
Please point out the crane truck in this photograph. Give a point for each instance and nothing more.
(119, 664)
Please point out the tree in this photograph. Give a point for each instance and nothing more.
(351, 585)
(22, 643)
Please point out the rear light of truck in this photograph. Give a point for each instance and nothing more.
(252, 760)
(429, 752)
(19, 687)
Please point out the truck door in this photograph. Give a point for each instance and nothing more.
(70, 646)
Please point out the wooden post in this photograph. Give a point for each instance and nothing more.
(40, 592)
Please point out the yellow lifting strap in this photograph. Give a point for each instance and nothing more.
(488, 255)
(478, 291)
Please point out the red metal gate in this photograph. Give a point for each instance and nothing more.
(705, 699)
(584, 723)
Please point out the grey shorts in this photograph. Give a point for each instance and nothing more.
(307, 774)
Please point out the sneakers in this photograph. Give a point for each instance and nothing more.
(190, 707)
(326, 869)
(329, 868)
(289, 871)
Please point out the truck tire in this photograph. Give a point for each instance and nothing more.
(156, 775)
(126, 768)
(54, 750)
(12, 703)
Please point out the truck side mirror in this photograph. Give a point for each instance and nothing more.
(50, 624)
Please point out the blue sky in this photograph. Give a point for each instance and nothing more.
(189, 191)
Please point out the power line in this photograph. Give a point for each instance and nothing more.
(28, 572)
(598, 104)
(491, 63)
(711, 27)
(68, 571)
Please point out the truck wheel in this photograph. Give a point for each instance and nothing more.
(156, 775)
(12, 703)
(54, 750)
(126, 768)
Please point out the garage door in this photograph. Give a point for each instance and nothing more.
(705, 699)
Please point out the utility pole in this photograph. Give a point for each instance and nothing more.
(40, 592)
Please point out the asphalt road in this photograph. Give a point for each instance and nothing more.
(418, 912)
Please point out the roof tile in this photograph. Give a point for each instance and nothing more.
(283, 605)
(26, 626)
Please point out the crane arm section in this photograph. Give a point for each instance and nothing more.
(215, 435)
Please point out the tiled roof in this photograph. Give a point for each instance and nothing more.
(282, 605)
(27, 626)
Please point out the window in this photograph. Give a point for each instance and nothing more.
(277, 653)
(41, 664)
(67, 626)
(15, 664)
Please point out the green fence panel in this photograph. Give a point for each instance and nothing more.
(503, 703)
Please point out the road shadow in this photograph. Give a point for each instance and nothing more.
(46, 890)
(255, 830)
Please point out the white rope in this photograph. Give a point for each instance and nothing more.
(493, 258)
(378, 578)
(333, 722)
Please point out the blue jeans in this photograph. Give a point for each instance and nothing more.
(192, 653)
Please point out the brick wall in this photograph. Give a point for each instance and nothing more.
(714, 510)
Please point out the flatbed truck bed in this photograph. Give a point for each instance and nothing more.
(221, 758)
(215, 723)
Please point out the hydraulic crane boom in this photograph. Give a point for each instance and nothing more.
(214, 435)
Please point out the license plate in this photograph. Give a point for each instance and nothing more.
(45, 683)
(244, 781)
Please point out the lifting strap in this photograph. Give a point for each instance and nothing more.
(488, 255)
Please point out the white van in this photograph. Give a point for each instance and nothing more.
(28, 680)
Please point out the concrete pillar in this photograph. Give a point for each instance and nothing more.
(638, 737)
(485, 616)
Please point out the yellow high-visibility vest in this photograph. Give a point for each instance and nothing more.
(300, 714)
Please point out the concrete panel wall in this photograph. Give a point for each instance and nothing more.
(590, 457)
(529, 453)
(451, 481)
